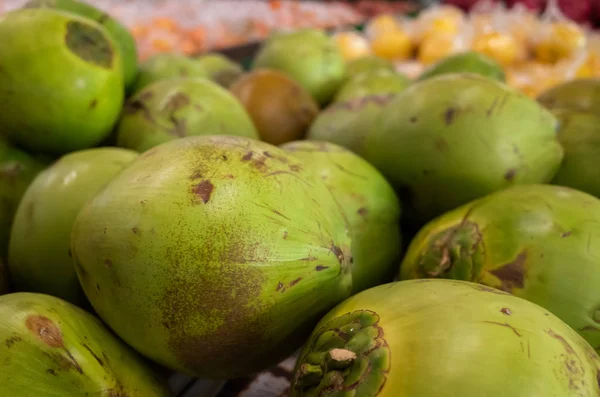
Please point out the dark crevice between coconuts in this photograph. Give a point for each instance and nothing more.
(348, 354)
(89, 44)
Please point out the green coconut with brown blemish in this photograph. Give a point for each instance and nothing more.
(537, 242)
(213, 256)
(579, 135)
(51, 348)
(39, 252)
(309, 56)
(453, 138)
(369, 204)
(17, 170)
(372, 83)
(61, 80)
(581, 95)
(443, 338)
(121, 35)
(172, 109)
(349, 123)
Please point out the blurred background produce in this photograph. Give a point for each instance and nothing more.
(142, 182)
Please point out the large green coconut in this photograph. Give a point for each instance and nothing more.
(372, 83)
(119, 33)
(17, 170)
(581, 95)
(308, 56)
(40, 254)
(61, 83)
(369, 204)
(451, 139)
(442, 338)
(537, 242)
(172, 109)
(349, 123)
(579, 135)
(466, 62)
(50, 348)
(369, 63)
(220, 69)
(166, 66)
(213, 256)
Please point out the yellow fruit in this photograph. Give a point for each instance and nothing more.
(563, 40)
(383, 23)
(499, 46)
(352, 45)
(392, 45)
(436, 47)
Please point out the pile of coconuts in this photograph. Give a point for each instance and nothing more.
(429, 237)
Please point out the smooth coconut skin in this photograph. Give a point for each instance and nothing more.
(119, 33)
(280, 108)
(368, 63)
(213, 256)
(443, 338)
(167, 66)
(220, 69)
(454, 138)
(40, 244)
(369, 204)
(467, 62)
(17, 170)
(581, 95)
(349, 123)
(61, 82)
(172, 109)
(536, 242)
(579, 136)
(51, 348)
(372, 83)
(308, 56)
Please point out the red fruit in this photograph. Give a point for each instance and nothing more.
(464, 4)
(533, 5)
(577, 10)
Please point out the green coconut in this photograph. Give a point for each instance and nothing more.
(119, 33)
(450, 139)
(220, 69)
(536, 242)
(214, 255)
(466, 62)
(581, 95)
(166, 66)
(369, 204)
(349, 123)
(61, 82)
(443, 338)
(369, 63)
(372, 83)
(173, 109)
(51, 348)
(39, 253)
(579, 135)
(308, 56)
(17, 170)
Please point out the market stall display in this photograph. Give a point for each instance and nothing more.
(305, 222)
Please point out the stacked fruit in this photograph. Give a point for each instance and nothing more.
(212, 217)
(536, 53)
